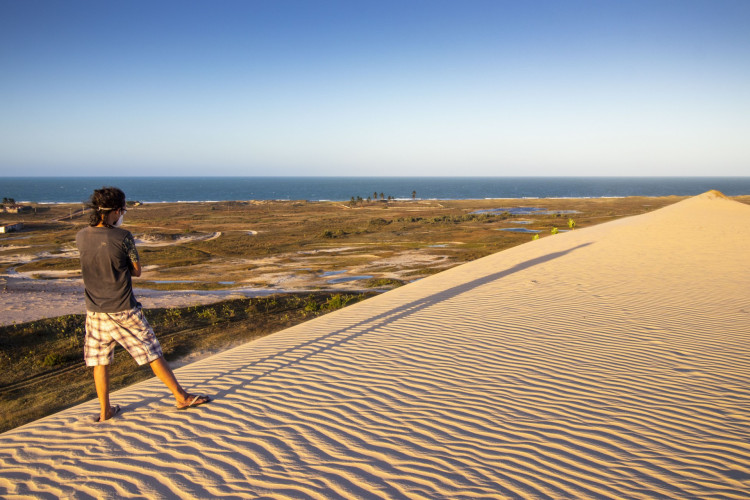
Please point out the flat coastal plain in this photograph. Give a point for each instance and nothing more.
(610, 361)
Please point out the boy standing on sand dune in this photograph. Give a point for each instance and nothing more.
(108, 259)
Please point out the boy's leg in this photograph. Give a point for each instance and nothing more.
(166, 375)
(101, 380)
(97, 351)
(133, 332)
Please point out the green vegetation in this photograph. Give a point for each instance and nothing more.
(338, 233)
(173, 255)
(356, 201)
(383, 283)
(181, 284)
(52, 264)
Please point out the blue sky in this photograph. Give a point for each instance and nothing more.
(433, 87)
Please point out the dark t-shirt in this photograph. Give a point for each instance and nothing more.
(107, 254)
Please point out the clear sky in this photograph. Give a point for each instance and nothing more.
(283, 87)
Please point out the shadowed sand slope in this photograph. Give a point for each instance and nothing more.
(608, 362)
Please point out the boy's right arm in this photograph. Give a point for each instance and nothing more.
(132, 253)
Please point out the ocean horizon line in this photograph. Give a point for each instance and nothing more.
(191, 189)
(147, 202)
(163, 176)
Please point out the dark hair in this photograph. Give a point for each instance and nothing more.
(103, 202)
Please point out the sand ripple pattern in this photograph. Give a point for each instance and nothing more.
(611, 362)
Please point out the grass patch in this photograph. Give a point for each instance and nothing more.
(426, 271)
(173, 256)
(194, 285)
(53, 264)
(382, 283)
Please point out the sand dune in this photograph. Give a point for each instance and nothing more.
(608, 362)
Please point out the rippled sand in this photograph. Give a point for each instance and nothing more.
(608, 362)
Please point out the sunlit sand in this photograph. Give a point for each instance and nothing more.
(606, 362)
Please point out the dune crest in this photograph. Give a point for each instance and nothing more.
(713, 193)
(607, 362)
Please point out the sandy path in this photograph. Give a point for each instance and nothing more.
(608, 362)
(149, 242)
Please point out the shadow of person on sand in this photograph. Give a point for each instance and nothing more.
(279, 360)
(311, 348)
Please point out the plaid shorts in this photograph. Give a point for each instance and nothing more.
(128, 328)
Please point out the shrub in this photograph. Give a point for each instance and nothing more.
(336, 302)
(333, 234)
(311, 305)
(172, 316)
(227, 311)
(270, 303)
(383, 283)
(209, 314)
(52, 359)
(379, 222)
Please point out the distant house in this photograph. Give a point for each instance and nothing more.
(8, 228)
(17, 209)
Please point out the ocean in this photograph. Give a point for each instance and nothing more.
(186, 189)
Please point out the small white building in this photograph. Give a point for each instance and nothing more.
(17, 209)
(8, 228)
